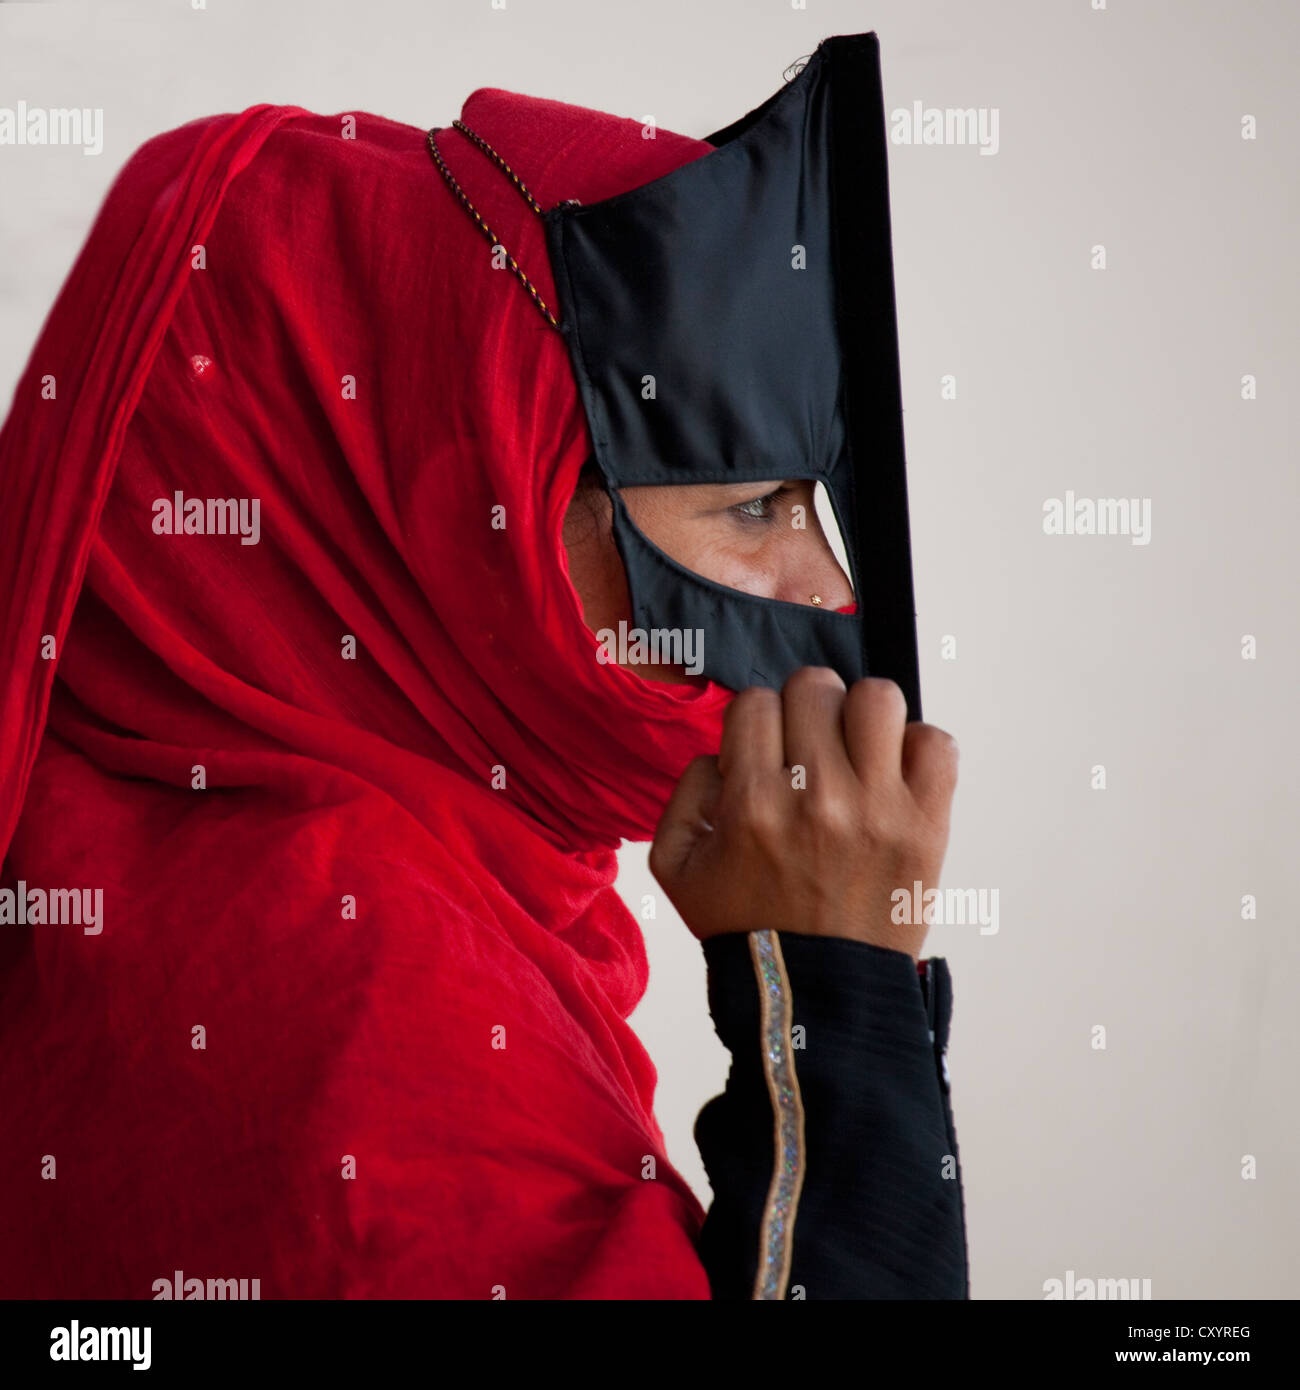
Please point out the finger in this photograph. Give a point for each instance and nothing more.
(813, 721)
(930, 766)
(751, 733)
(875, 715)
(686, 819)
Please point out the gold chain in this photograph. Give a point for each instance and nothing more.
(474, 212)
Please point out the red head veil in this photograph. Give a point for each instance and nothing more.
(352, 1020)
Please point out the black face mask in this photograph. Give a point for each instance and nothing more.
(760, 370)
(733, 321)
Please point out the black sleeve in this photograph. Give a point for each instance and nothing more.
(831, 1152)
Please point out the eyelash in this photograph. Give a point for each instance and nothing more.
(766, 501)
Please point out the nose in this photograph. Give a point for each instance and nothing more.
(810, 572)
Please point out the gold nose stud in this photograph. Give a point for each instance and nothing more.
(817, 599)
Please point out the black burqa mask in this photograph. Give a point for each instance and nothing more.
(734, 321)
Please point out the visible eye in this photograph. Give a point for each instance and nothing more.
(759, 509)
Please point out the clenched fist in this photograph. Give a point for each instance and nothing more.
(820, 805)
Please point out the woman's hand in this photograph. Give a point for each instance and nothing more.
(749, 841)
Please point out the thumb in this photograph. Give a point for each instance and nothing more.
(687, 819)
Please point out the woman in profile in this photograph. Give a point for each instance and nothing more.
(302, 576)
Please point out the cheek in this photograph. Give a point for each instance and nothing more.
(727, 554)
(718, 546)
(782, 563)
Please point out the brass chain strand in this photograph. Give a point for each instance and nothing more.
(492, 154)
(474, 212)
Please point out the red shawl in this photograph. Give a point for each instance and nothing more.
(355, 1021)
